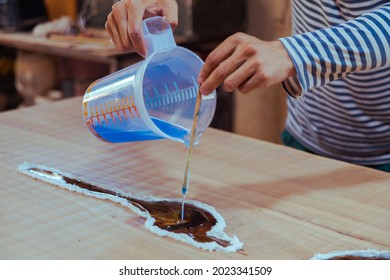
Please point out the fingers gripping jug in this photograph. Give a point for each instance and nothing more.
(152, 99)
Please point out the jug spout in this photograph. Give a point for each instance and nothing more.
(158, 35)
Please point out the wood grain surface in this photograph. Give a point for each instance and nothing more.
(281, 203)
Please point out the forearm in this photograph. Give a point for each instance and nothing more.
(324, 55)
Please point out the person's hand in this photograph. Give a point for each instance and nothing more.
(124, 23)
(244, 62)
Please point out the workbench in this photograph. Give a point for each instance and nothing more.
(75, 47)
(279, 202)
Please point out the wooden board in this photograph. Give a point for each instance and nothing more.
(281, 203)
(57, 44)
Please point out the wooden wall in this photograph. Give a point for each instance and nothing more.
(261, 114)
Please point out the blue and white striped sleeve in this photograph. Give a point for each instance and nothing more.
(331, 53)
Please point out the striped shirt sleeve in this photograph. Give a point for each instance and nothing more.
(331, 53)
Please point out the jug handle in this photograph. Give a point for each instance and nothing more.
(158, 35)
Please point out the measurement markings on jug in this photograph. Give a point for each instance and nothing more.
(113, 110)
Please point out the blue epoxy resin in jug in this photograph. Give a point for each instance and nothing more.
(152, 99)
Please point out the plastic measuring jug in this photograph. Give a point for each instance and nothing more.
(152, 99)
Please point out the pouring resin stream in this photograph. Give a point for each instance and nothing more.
(184, 189)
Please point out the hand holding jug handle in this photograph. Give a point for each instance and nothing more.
(158, 35)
